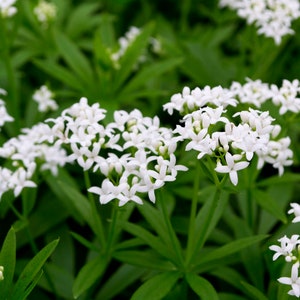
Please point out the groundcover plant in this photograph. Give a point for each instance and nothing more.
(149, 149)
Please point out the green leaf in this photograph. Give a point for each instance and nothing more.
(203, 288)
(151, 240)
(77, 210)
(62, 281)
(155, 218)
(252, 253)
(89, 274)
(269, 204)
(119, 281)
(85, 242)
(8, 261)
(82, 205)
(61, 73)
(207, 218)
(49, 213)
(151, 71)
(231, 248)
(81, 19)
(285, 178)
(74, 58)
(157, 287)
(102, 54)
(132, 54)
(230, 276)
(230, 296)
(144, 259)
(253, 292)
(32, 272)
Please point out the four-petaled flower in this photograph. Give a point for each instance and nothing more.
(231, 167)
(293, 281)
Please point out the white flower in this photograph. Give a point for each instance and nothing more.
(273, 18)
(4, 116)
(1, 273)
(108, 191)
(232, 167)
(43, 96)
(20, 180)
(286, 96)
(6, 8)
(252, 92)
(296, 211)
(287, 245)
(45, 12)
(293, 281)
(125, 42)
(191, 100)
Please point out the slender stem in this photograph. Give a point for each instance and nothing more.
(99, 230)
(193, 213)
(16, 212)
(172, 234)
(112, 228)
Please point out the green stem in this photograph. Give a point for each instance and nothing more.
(112, 229)
(172, 234)
(16, 212)
(193, 213)
(97, 222)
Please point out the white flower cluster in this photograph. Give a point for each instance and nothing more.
(290, 249)
(210, 130)
(43, 96)
(256, 93)
(4, 116)
(7, 9)
(35, 146)
(253, 92)
(134, 154)
(127, 40)
(45, 12)
(272, 17)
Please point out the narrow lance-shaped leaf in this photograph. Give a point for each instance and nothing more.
(74, 58)
(28, 278)
(8, 261)
(269, 204)
(253, 292)
(119, 281)
(89, 274)
(202, 287)
(231, 248)
(132, 55)
(157, 287)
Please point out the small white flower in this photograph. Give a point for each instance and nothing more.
(273, 18)
(232, 167)
(43, 96)
(45, 12)
(4, 116)
(20, 180)
(296, 211)
(287, 245)
(7, 9)
(293, 281)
